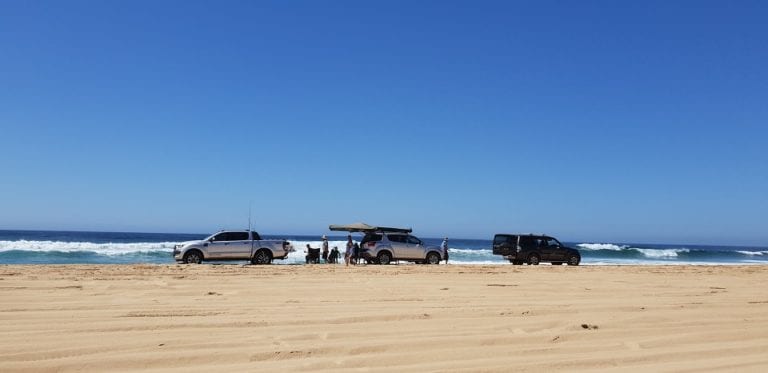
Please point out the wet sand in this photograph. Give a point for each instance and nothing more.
(403, 318)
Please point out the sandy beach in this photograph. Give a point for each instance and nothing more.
(412, 318)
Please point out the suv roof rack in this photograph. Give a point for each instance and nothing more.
(362, 227)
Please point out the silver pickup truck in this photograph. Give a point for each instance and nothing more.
(232, 245)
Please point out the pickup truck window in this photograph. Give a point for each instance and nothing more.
(231, 236)
(237, 236)
(256, 236)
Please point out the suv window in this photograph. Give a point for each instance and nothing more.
(371, 237)
(503, 238)
(529, 242)
(397, 238)
(552, 242)
(414, 240)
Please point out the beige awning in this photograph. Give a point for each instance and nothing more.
(362, 227)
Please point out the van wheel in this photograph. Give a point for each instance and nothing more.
(384, 258)
(262, 256)
(193, 257)
(433, 258)
(534, 259)
(574, 260)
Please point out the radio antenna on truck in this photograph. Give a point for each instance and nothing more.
(249, 215)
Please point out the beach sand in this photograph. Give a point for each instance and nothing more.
(403, 318)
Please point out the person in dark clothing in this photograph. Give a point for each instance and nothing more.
(356, 249)
(333, 257)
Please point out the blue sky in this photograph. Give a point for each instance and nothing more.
(590, 121)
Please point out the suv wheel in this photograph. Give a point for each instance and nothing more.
(384, 257)
(574, 260)
(534, 259)
(433, 258)
(193, 257)
(262, 257)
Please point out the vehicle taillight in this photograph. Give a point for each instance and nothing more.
(371, 244)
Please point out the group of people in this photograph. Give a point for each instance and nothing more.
(314, 254)
(352, 254)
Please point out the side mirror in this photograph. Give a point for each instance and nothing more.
(210, 239)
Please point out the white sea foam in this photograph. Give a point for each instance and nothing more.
(98, 248)
(601, 246)
(661, 253)
(458, 256)
(648, 253)
(753, 253)
(603, 262)
(479, 252)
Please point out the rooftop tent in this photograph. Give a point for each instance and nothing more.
(362, 227)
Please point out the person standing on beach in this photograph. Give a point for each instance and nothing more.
(445, 249)
(325, 249)
(356, 249)
(334, 257)
(350, 248)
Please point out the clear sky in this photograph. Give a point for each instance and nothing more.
(612, 121)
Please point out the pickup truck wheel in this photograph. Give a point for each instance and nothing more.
(384, 258)
(193, 257)
(262, 257)
(534, 259)
(433, 258)
(574, 260)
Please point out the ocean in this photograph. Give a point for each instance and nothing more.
(59, 247)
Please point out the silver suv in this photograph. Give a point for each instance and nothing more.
(384, 247)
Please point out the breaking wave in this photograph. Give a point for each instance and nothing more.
(111, 248)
